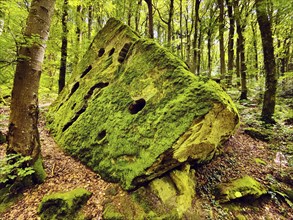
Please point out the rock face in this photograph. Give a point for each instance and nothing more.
(132, 110)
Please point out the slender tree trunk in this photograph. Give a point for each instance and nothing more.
(241, 52)
(137, 15)
(188, 32)
(90, 22)
(150, 17)
(209, 53)
(243, 68)
(237, 61)
(255, 50)
(269, 100)
(169, 23)
(23, 135)
(129, 17)
(63, 61)
(181, 30)
(230, 42)
(221, 39)
(195, 37)
(78, 32)
(199, 52)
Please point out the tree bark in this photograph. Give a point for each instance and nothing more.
(150, 17)
(181, 30)
(63, 60)
(221, 39)
(90, 22)
(230, 42)
(240, 25)
(269, 100)
(195, 37)
(137, 15)
(78, 32)
(255, 50)
(23, 135)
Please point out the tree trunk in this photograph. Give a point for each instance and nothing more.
(209, 54)
(78, 32)
(23, 135)
(137, 15)
(169, 24)
(269, 101)
(129, 16)
(243, 68)
(255, 50)
(199, 45)
(90, 22)
(63, 61)
(181, 30)
(230, 42)
(150, 17)
(195, 37)
(241, 52)
(221, 38)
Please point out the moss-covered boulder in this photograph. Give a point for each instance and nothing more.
(168, 197)
(132, 110)
(245, 187)
(63, 205)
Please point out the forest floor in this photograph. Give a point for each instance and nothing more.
(240, 155)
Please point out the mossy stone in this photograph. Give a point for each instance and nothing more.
(245, 187)
(63, 205)
(168, 197)
(134, 111)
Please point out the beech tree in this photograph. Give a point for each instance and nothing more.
(265, 27)
(63, 60)
(23, 135)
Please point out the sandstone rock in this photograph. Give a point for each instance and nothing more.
(168, 197)
(132, 110)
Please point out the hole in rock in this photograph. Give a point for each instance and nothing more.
(73, 106)
(74, 88)
(99, 85)
(136, 106)
(89, 68)
(82, 110)
(101, 135)
(101, 52)
(123, 52)
(111, 52)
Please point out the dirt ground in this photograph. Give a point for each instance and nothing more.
(238, 158)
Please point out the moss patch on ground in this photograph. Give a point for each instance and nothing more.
(63, 205)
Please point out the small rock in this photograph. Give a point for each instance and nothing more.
(63, 205)
(245, 187)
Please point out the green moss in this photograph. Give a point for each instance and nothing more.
(95, 123)
(40, 174)
(244, 187)
(123, 208)
(260, 161)
(63, 205)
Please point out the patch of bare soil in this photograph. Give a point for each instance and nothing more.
(65, 173)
